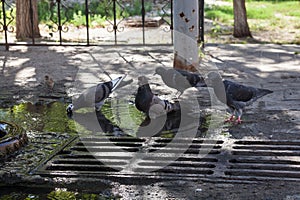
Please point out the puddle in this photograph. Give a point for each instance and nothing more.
(49, 117)
(121, 118)
(117, 117)
(48, 127)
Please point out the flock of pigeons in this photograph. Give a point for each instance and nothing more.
(236, 96)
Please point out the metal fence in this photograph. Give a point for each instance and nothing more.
(152, 25)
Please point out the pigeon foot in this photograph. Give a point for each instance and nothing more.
(238, 121)
(230, 119)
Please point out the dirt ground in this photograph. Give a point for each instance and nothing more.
(274, 117)
(259, 63)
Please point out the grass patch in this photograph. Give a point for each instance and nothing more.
(219, 13)
(267, 9)
(274, 21)
(255, 10)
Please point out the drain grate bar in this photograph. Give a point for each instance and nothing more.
(164, 158)
(264, 160)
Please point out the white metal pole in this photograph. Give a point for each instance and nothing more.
(186, 31)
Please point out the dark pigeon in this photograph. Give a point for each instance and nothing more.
(180, 79)
(145, 99)
(95, 96)
(235, 95)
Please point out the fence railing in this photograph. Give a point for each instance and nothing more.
(124, 22)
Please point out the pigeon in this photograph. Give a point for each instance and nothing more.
(69, 110)
(49, 82)
(149, 103)
(180, 79)
(236, 96)
(95, 96)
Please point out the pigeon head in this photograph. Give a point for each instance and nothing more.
(160, 70)
(142, 80)
(109, 85)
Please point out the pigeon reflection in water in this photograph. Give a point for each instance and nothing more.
(172, 125)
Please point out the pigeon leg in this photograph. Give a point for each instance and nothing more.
(238, 121)
(230, 119)
(239, 114)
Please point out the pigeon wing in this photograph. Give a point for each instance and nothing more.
(238, 92)
(192, 79)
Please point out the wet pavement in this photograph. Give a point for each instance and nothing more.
(274, 117)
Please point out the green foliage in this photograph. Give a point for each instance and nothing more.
(99, 11)
(43, 11)
(49, 118)
(10, 16)
(269, 9)
(104, 8)
(216, 28)
(97, 20)
(255, 10)
(136, 8)
(78, 19)
(61, 195)
(219, 13)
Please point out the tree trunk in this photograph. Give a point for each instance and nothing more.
(186, 33)
(241, 28)
(24, 26)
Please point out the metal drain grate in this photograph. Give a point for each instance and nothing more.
(265, 160)
(121, 157)
(162, 158)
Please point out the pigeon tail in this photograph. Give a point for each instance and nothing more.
(116, 82)
(263, 92)
(258, 94)
(200, 84)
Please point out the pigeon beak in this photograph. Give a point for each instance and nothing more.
(154, 73)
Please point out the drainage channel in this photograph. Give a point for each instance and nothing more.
(140, 159)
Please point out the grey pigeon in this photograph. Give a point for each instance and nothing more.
(95, 96)
(235, 95)
(149, 103)
(180, 79)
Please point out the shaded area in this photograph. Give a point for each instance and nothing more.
(268, 66)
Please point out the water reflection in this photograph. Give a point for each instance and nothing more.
(48, 117)
(123, 119)
(117, 117)
(172, 125)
